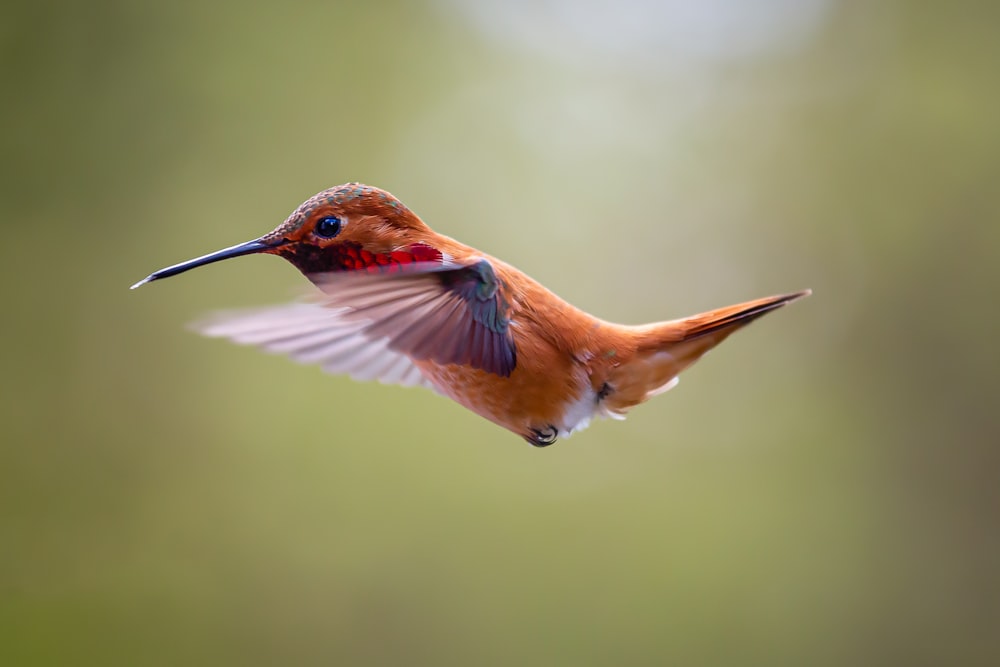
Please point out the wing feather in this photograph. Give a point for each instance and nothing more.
(312, 333)
(453, 315)
(376, 326)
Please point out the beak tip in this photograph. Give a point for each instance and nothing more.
(248, 248)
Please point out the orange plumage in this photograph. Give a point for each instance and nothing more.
(402, 304)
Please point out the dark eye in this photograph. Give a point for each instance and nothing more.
(328, 227)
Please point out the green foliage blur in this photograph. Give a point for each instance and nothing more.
(820, 490)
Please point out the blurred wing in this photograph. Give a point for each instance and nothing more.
(373, 326)
(312, 333)
(455, 315)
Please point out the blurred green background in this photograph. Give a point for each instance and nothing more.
(821, 490)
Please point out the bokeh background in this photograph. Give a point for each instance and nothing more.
(821, 490)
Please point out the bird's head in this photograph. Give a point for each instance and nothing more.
(348, 227)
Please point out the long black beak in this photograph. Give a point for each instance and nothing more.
(248, 248)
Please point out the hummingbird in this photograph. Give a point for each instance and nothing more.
(399, 303)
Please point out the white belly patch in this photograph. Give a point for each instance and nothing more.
(580, 412)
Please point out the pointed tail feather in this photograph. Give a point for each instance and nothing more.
(686, 340)
(727, 320)
(667, 348)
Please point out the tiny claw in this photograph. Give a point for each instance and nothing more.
(542, 437)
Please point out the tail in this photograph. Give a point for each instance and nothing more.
(715, 325)
(667, 348)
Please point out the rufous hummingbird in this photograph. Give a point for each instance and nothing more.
(402, 304)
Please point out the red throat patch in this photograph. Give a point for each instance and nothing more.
(352, 257)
